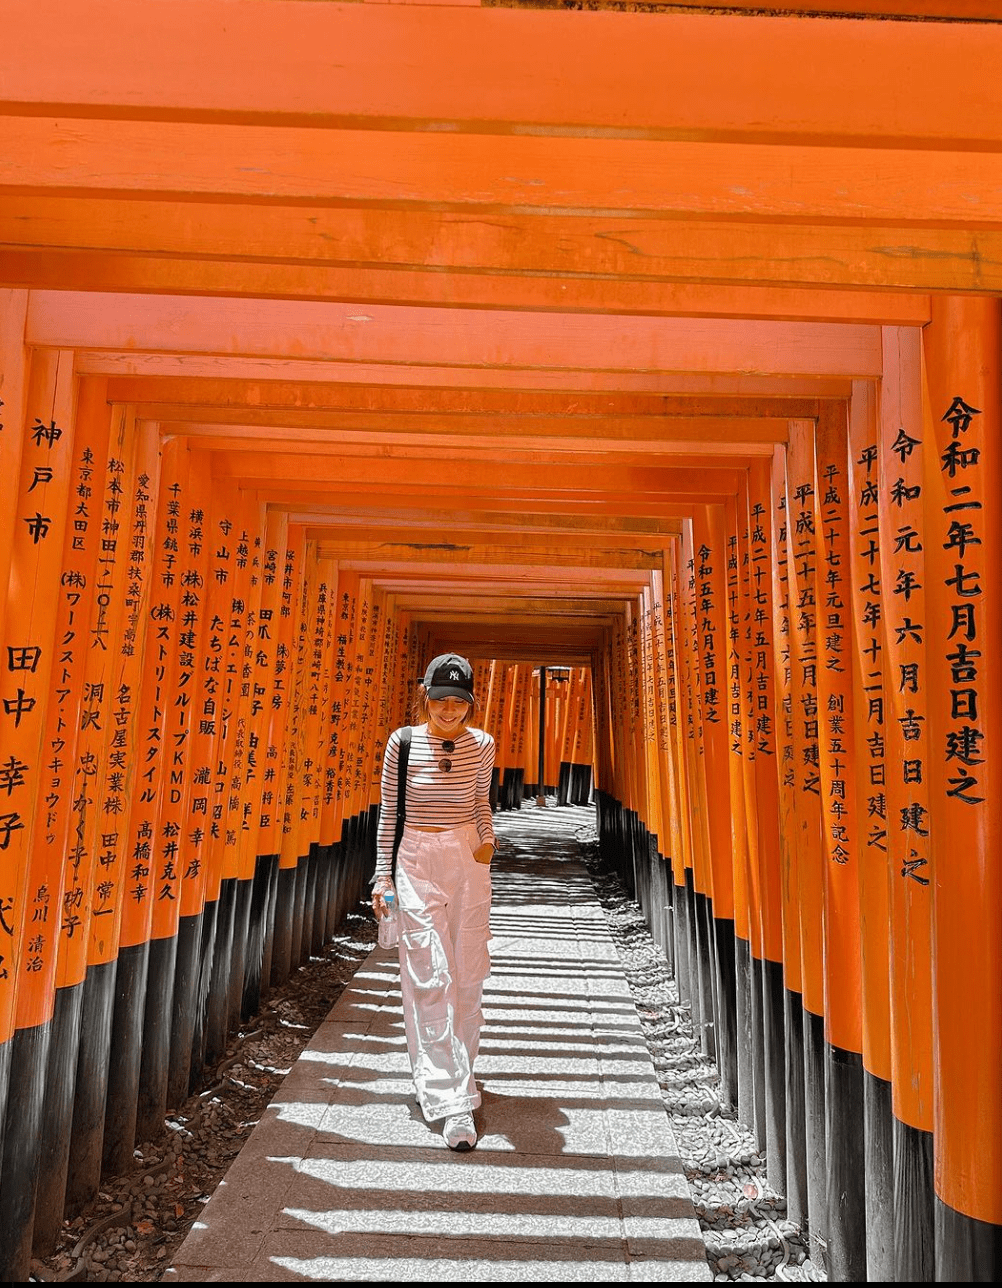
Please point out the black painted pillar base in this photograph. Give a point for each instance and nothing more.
(631, 843)
(83, 1173)
(285, 902)
(845, 1156)
(774, 1073)
(914, 1221)
(743, 1019)
(683, 968)
(123, 1070)
(879, 1167)
(242, 897)
(203, 984)
(155, 1055)
(758, 1052)
(4, 1080)
(217, 1002)
(299, 909)
(269, 934)
(183, 1006)
(21, 1148)
(967, 1250)
(336, 895)
(796, 1110)
(311, 875)
(667, 900)
(322, 901)
(726, 1008)
(814, 1118)
(703, 958)
(258, 937)
(57, 1119)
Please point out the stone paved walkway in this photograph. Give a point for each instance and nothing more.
(576, 1175)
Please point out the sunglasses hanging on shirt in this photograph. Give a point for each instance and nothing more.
(448, 746)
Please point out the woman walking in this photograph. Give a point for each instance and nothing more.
(443, 888)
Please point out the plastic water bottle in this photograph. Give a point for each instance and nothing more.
(389, 925)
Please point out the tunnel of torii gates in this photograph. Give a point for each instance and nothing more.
(661, 349)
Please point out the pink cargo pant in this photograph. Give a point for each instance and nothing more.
(444, 901)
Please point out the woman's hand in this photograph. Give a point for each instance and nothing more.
(378, 890)
(484, 853)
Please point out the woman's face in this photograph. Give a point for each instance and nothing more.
(447, 717)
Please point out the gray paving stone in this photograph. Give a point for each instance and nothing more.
(394, 1258)
(576, 1175)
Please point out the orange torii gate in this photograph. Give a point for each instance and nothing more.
(578, 339)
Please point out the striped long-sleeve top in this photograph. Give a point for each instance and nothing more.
(437, 797)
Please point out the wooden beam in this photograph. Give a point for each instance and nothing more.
(558, 576)
(333, 332)
(289, 494)
(445, 583)
(637, 249)
(344, 514)
(486, 555)
(99, 270)
(567, 433)
(264, 469)
(343, 511)
(454, 545)
(530, 450)
(500, 174)
(684, 76)
(488, 605)
(440, 404)
(461, 383)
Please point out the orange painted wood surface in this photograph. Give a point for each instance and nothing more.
(31, 667)
(837, 733)
(870, 742)
(499, 174)
(904, 544)
(963, 407)
(276, 328)
(604, 71)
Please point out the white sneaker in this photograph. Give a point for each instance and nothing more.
(460, 1132)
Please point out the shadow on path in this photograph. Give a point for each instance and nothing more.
(576, 1174)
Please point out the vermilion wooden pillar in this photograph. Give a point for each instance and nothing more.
(793, 1004)
(695, 767)
(870, 769)
(844, 1139)
(109, 510)
(806, 837)
(261, 765)
(141, 844)
(30, 672)
(33, 964)
(175, 862)
(909, 823)
(763, 627)
(196, 906)
(89, 950)
(292, 874)
(962, 483)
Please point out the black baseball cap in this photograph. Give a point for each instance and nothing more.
(449, 676)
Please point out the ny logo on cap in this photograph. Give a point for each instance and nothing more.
(454, 675)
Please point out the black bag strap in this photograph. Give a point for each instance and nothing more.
(402, 760)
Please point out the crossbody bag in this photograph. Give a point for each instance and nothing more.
(402, 761)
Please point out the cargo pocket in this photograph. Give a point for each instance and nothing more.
(473, 960)
(427, 969)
